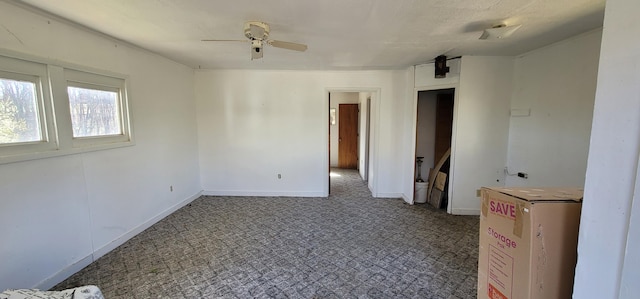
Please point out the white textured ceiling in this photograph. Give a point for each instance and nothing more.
(341, 34)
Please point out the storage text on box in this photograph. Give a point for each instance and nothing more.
(503, 241)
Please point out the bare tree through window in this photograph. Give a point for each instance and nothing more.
(94, 112)
(19, 120)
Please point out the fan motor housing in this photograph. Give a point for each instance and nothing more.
(256, 30)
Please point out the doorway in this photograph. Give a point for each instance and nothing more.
(434, 123)
(349, 133)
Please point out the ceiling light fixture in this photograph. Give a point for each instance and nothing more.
(499, 31)
(256, 49)
(257, 33)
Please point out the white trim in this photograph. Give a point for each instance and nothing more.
(66, 272)
(326, 168)
(97, 253)
(390, 195)
(454, 140)
(376, 94)
(94, 81)
(474, 212)
(437, 87)
(407, 200)
(373, 146)
(63, 274)
(263, 193)
(58, 153)
(456, 92)
(367, 137)
(16, 69)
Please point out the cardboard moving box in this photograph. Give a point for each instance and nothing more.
(528, 242)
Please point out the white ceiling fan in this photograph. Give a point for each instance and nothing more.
(257, 34)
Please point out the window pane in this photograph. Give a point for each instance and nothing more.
(94, 112)
(19, 121)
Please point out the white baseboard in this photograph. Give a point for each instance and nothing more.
(263, 193)
(389, 195)
(406, 199)
(64, 273)
(97, 253)
(465, 212)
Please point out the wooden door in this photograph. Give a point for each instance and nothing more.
(348, 136)
(444, 124)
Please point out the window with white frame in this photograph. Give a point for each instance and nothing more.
(19, 112)
(94, 111)
(26, 122)
(98, 108)
(48, 110)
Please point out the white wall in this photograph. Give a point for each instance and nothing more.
(58, 214)
(426, 131)
(480, 130)
(608, 244)
(338, 98)
(363, 151)
(253, 125)
(557, 83)
(409, 136)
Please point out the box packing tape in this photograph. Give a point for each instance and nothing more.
(485, 204)
(517, 225)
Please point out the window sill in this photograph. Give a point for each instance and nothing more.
(15, 158)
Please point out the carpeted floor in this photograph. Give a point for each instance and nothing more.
(349, 245)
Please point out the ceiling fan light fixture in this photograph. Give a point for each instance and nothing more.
(499, 31)
(256, 49)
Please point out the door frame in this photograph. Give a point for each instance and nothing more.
(451, 176)
(369, 160)
(364, 170)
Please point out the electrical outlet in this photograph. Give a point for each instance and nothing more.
(523, 175)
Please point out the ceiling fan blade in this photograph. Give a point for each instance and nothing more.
(224, 40)
(288, 45)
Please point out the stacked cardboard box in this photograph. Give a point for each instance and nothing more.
(528, 241)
